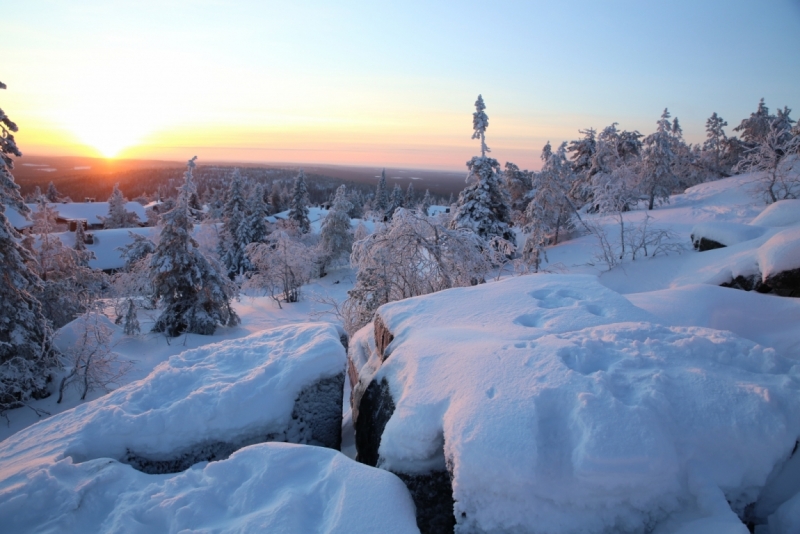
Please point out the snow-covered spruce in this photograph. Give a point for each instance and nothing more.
(234, 237)
(483, 206)
(298, 208)
(557, 404)
(335, 235)
(26, 356)
(118, 216)
(194, 295)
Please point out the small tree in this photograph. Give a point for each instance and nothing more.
(658, 179)
(282, 265)
(336, 237)
(118, 216)
(90, 362)
(194, 295)
(131, 322)
(425, 205)
(395, 201)
(52, 193)
(298, 211)
(381, 204)
(234, 236)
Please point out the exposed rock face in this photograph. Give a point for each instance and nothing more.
(704, 244)
(316, 420)
(382, 337)
(785, 284)
(432, 492)
(747, 283)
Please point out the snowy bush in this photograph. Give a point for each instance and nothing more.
(282, 265)
(87, 355)
(411, 255)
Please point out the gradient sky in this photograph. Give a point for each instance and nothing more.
(381, 83)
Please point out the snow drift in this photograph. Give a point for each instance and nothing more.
(557, 405)
(65, 473)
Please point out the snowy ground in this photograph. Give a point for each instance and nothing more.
(614, 483)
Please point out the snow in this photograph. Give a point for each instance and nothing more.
(63, 473)
(781, 213)
(269, 487)
(726, 233)
(780, 253)
(642, 398)
(558, 403)
(93, 212)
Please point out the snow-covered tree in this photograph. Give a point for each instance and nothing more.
(425, 205)
(410, 200)
(130, 323)
(255, 228)
(83, 254)
(776, 157)
(193, 293)
(549, 212)
(715, 144)
(298, 209)
(356, 205)
(335, 236)
(26, 353)
(234, 236)
(411, 255)
(483, 206)
(52, 193)
(518, 184)
(118, 216)
(381, 204)
(480, 121)
(395, 201)
(282, 265)
(90, 362)
(659, 156)
(69, 287)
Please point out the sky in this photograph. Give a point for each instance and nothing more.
(381, 83)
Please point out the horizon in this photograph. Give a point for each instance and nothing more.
(380, 85)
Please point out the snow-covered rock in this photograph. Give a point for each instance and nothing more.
(68, 472)
(211, 400)
(557, 406)
(711, 235)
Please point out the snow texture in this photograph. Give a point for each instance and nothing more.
(66, 469)
(726, 233)
(270, 487)
(557, 403)
(781, 213)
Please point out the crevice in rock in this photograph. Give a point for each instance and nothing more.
(432, 492)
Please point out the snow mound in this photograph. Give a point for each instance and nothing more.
(781, 213)
(270, 487)
(66, 473)
(554, 402)
(229, 392)
(781, 253)
(725, 233)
